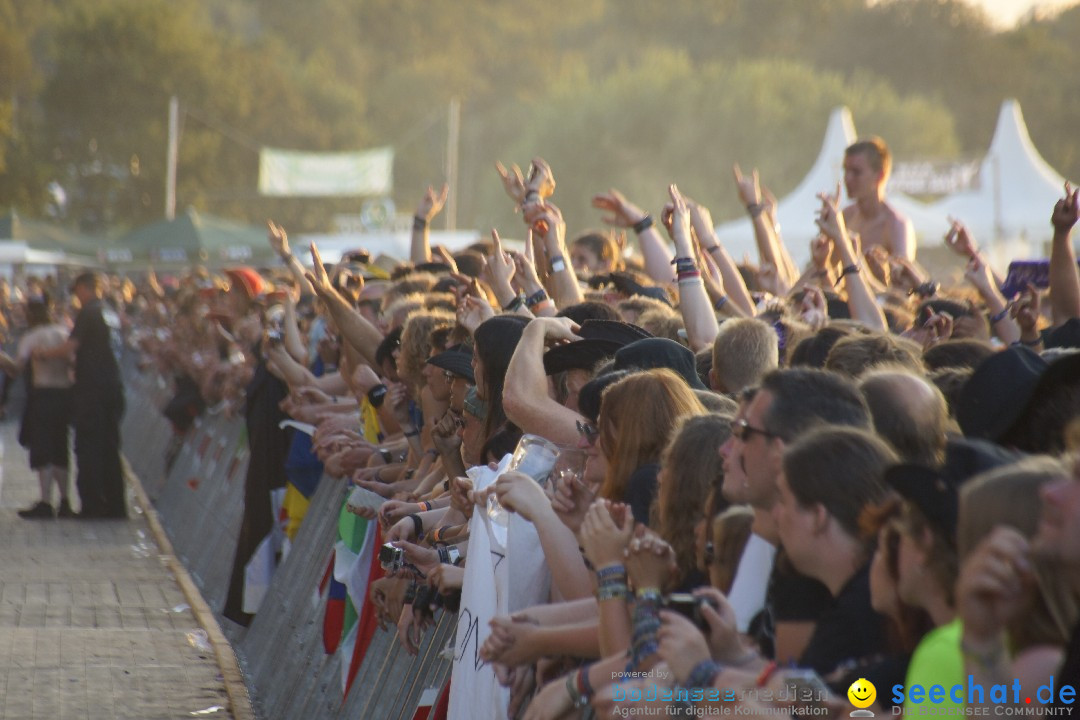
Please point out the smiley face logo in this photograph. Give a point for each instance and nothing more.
(862, 693)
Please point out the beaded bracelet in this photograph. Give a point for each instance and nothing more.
(613, 591)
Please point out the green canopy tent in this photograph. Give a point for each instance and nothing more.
(38, 242)
(193, 239)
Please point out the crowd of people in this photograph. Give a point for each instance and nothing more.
(853, 473)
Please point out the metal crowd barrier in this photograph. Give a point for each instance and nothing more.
(200, 504)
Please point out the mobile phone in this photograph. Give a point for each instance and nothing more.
(689, 606)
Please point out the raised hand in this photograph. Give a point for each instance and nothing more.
(680, 218)
(959, 240)
(432, 203)
(1026, 311)
(978, 274)
(319, 279)
(500, 264)
(820, 248)
(279, 241)
(472, 311)
(513, 182)
(622, 212)
(814, 309)
(541, 180)
(1066, 211)
(830, 220)
(749, 187)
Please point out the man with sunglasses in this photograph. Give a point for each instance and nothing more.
(788, 403)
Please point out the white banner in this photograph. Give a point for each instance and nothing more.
(934, 178)
(302, 174)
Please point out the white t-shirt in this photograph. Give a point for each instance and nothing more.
(748, 589)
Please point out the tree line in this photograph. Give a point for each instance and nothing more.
(614, 93)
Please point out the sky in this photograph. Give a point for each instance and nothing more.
(1005, 13)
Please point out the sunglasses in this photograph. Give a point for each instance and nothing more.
(743, 431)
(588, 432)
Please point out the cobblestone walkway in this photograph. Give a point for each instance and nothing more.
(92, 623)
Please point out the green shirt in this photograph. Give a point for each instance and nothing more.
(937, 661)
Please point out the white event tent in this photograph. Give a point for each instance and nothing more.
(1008, 209)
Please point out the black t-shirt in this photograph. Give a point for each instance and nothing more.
(96, 368)
(640, 490)
(848, 631)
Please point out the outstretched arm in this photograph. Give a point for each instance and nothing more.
(697, 311)
(1064, 276)
(429, 207)
(354, 327)
(864, 307)
(654, 250)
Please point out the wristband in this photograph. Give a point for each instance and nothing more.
(530, 194)
(376, 395)
(583, 680)
(755, 209)
(536, 298)
(704, 674)
(765, 674)
(612, 591)
(418, 525)
(995, 319)
(649, 594)
(419, 223)
(424, 506)
(643, 224)
(558, 264)
(415, 432)
(610, 571)
(1029, 343)
(576, 699)
(720, 303)
(848, 270)
(514, 304)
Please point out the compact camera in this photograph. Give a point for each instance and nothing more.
(391, 558)
(689, 606)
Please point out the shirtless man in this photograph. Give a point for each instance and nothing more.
(867, 164)
(48, 406)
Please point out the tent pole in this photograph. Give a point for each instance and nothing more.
(453, 138)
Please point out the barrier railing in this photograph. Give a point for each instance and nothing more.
(200, 503)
